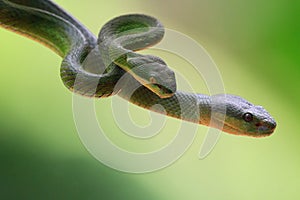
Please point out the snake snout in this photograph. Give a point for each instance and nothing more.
(163, 81)
(267, 126)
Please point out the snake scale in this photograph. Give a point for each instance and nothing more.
(148, 81)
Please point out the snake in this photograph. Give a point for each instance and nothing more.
(110, 65)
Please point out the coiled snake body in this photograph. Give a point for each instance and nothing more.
(119, 39)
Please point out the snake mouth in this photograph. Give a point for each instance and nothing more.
(265, 131)
(261, 131)
(164, 92)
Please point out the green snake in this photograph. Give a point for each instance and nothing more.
(149, 80)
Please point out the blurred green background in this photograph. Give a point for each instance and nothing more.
(256, 45)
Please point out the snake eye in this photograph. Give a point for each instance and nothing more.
(248, 117)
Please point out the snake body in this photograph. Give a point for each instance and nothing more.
(148, 80)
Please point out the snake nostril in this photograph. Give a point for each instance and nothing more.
(258, 124)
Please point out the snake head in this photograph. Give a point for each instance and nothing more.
(153, 73)
(242, 117)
